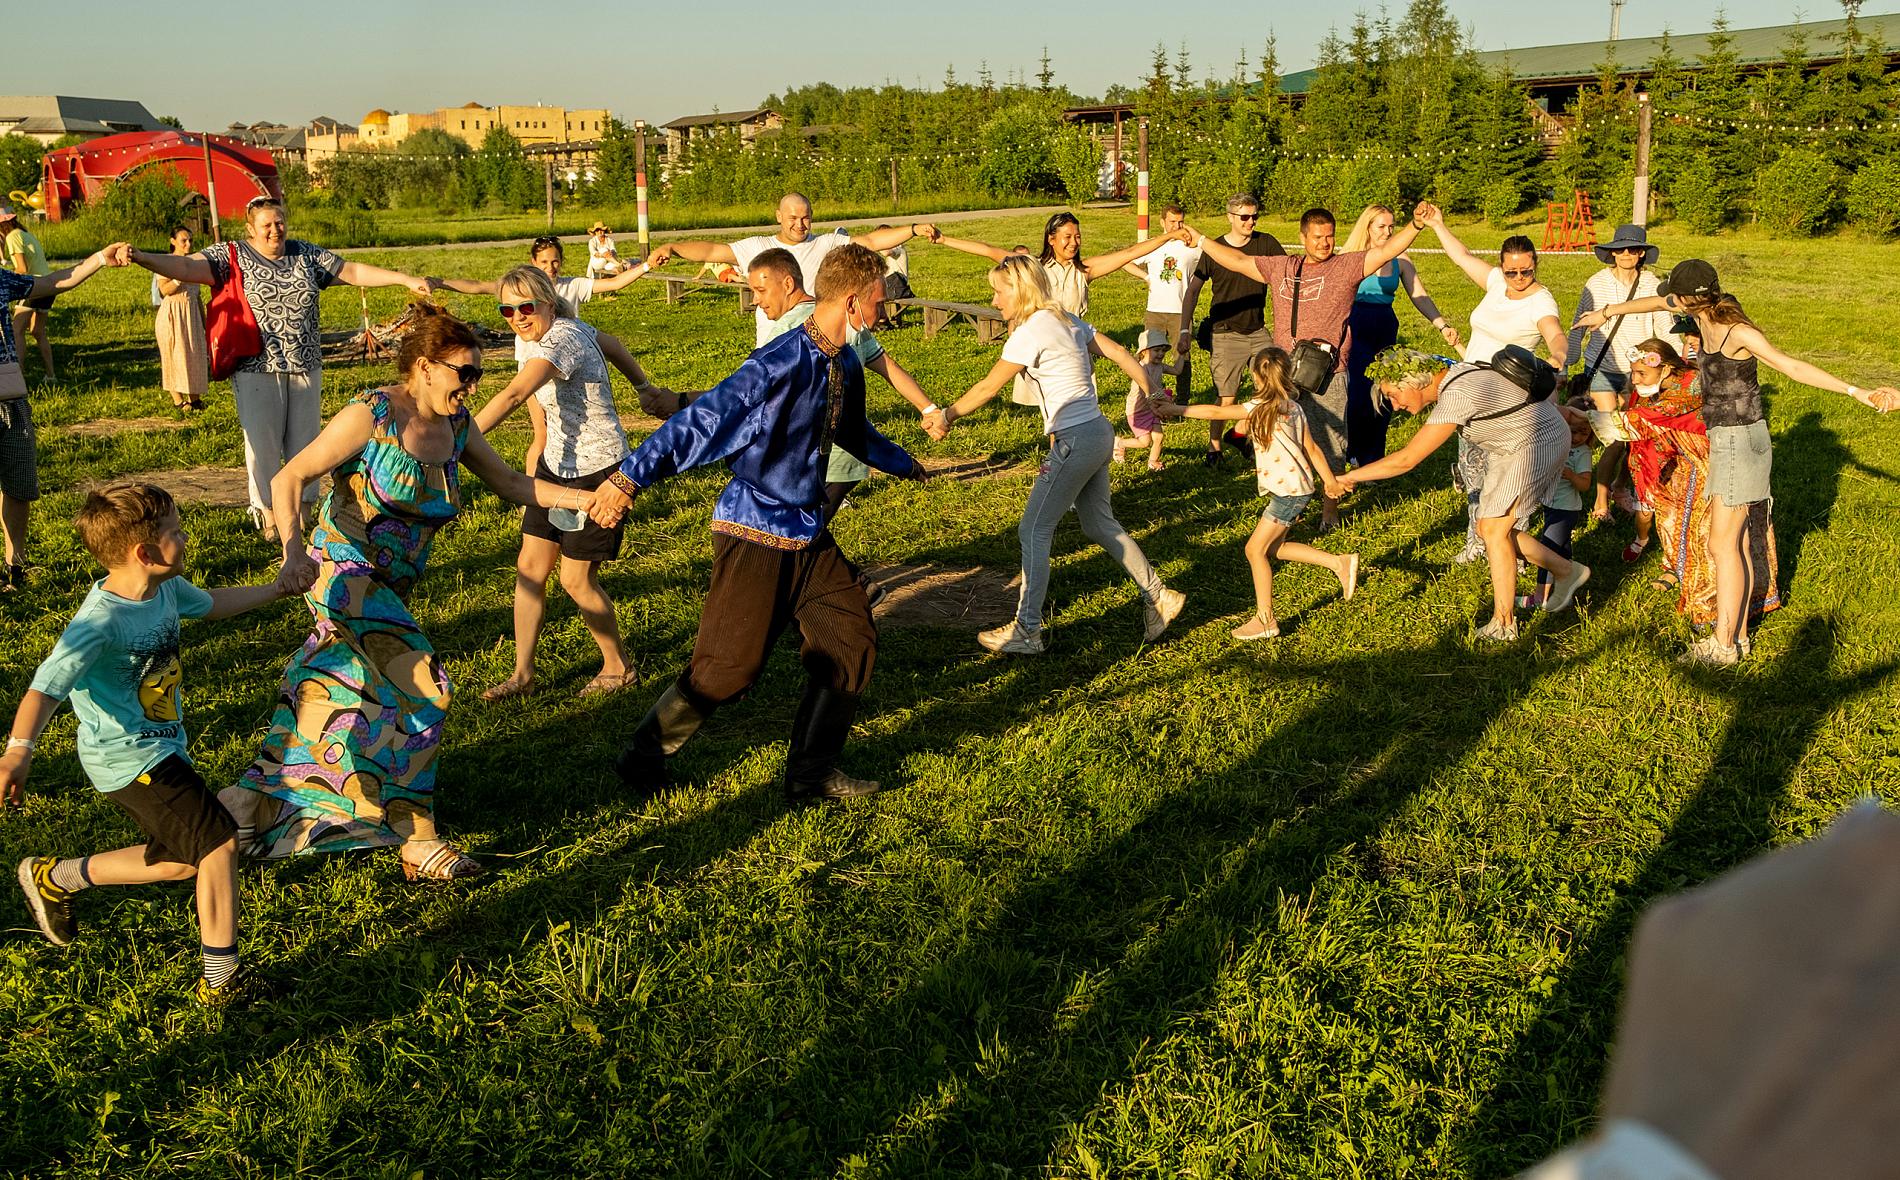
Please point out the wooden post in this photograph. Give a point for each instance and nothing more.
(549, 162)
(893, 184)
(211, 190)
(640, 177)
(1120, 191)
(1141, 180)
(1639, 198)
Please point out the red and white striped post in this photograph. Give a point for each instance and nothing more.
(640, 176)
(1141, 182)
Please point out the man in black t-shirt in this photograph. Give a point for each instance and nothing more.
(1236, 312)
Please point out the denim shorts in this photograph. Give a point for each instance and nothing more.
(1739, 462)
(1287, 509)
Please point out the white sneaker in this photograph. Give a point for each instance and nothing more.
(1491, 632)
(1012, 638)
(1473, 551)
(1564, 589)
(1162, 611)
(1707, 653)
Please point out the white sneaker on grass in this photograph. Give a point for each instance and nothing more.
(1564, 589)
(1012, 638)
(1493, 632)
(1162, 611)
(1707, 653)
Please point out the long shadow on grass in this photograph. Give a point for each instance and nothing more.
(1810, 459)
(1545, 1091)
(974, 1066)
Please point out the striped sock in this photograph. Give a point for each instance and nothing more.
(221, 963)
(71, 875)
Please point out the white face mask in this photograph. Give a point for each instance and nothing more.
(1649, 390)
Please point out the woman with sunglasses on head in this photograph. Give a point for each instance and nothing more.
(279, 392)
(578, 443)
(350, 758)
(1516, 309)
(1740, 450)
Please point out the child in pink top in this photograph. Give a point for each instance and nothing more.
(1146, 425)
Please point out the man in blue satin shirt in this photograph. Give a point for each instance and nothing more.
(773, 423)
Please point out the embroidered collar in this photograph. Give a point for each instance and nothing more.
(825, 343)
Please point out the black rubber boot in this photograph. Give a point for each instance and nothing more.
(667, 725)
(818, 736)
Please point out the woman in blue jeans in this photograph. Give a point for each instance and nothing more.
(1058, 350)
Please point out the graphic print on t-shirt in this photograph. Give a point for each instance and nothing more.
(1311, 287)
(1170, 268)
(152, 667)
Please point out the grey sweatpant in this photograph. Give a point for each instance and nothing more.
(1075, 475)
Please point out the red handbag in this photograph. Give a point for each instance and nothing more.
(230, 324)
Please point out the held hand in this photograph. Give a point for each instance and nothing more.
(298, 574)
(926, 231)
(1191, 237)
(117, 254)
(1162, 407)
(13, 768)
(660, 257)
(657, 400)
(1428, 214)
(1449, 333)
(919, 472)
(1591, 319)
(608, 505)
(1884, 399)
(419, 286)
(937, 425)
(1184, 235)
(1336, 488)
(435, 284)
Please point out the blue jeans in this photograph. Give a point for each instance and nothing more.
(1075, 475)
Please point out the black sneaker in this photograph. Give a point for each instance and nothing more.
(836, 785)
(12, 577)
(51, 906)
(1212, 459)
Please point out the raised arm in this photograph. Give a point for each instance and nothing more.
(530, 377)
(1104, 346)
(1755, 341)
(1103, 265)
(1476, 269)
(692, 252)
(968, 246)
(894, 235)
(467, 286)
(1401, 239)
(72, 276)
(184, 268)
(362, 274)
(1414, 287)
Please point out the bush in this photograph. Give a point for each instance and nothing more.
(1706, 201)
(1078, 160)
(19, 164)
(1612, 205)
(1796, 195)
(1363, 183)
(1502, 201)
(145, 205)
(1873, 197)
(1018, 150)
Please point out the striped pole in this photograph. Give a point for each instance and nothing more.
(1141, 183)
(640, 176)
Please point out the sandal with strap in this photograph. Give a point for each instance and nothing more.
(605, 683)
(1666, 580)
(445, 863)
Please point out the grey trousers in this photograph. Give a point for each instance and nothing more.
(280, 414)
(1075, 475)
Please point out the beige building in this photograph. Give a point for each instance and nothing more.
(532, 125)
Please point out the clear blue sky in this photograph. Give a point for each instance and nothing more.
(212, 62)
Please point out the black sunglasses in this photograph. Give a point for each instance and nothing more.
(1244, 216)
(1518, 274)
(466, 376)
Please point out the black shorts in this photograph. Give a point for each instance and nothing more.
(43, 303)
(590, 542)
(182, 820)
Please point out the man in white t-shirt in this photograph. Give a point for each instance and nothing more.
(1166, 272)
(794, 236)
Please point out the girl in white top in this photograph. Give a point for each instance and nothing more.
(1059, 352)
(603, 260)
(1290, 468)
(1516, 309)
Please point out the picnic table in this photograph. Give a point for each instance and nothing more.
(676, 286)
(939, 314)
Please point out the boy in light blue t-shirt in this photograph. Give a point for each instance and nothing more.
(117, 662)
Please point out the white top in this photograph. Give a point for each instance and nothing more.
(897, 262)
(1168, 271)
(810, 254)
(1604, 288)
(576, 289)
(584, 433)
(1500, 320)
(598, 249)
(1626, 1150)
(1069, 283)
(1054, 348)
(1282, 467)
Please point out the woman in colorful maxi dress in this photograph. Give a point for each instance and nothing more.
(350, 758)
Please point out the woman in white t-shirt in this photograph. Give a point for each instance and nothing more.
(1290, 468)
(1058, 351)
(578, 442)
(1516, 309)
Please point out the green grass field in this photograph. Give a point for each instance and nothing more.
(1351, 903)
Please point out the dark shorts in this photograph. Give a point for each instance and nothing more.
(19, 460)
(590, 542)
(182, 820)
(43, 303)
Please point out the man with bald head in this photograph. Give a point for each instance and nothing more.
(794, 236)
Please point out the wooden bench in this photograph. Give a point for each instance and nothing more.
(676, 286)
(939, 315)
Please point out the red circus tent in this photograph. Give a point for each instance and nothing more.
(81, 172)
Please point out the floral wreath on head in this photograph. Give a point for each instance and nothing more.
(1399, 365)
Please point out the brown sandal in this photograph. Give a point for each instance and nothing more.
(446, 863)
(603, 683)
